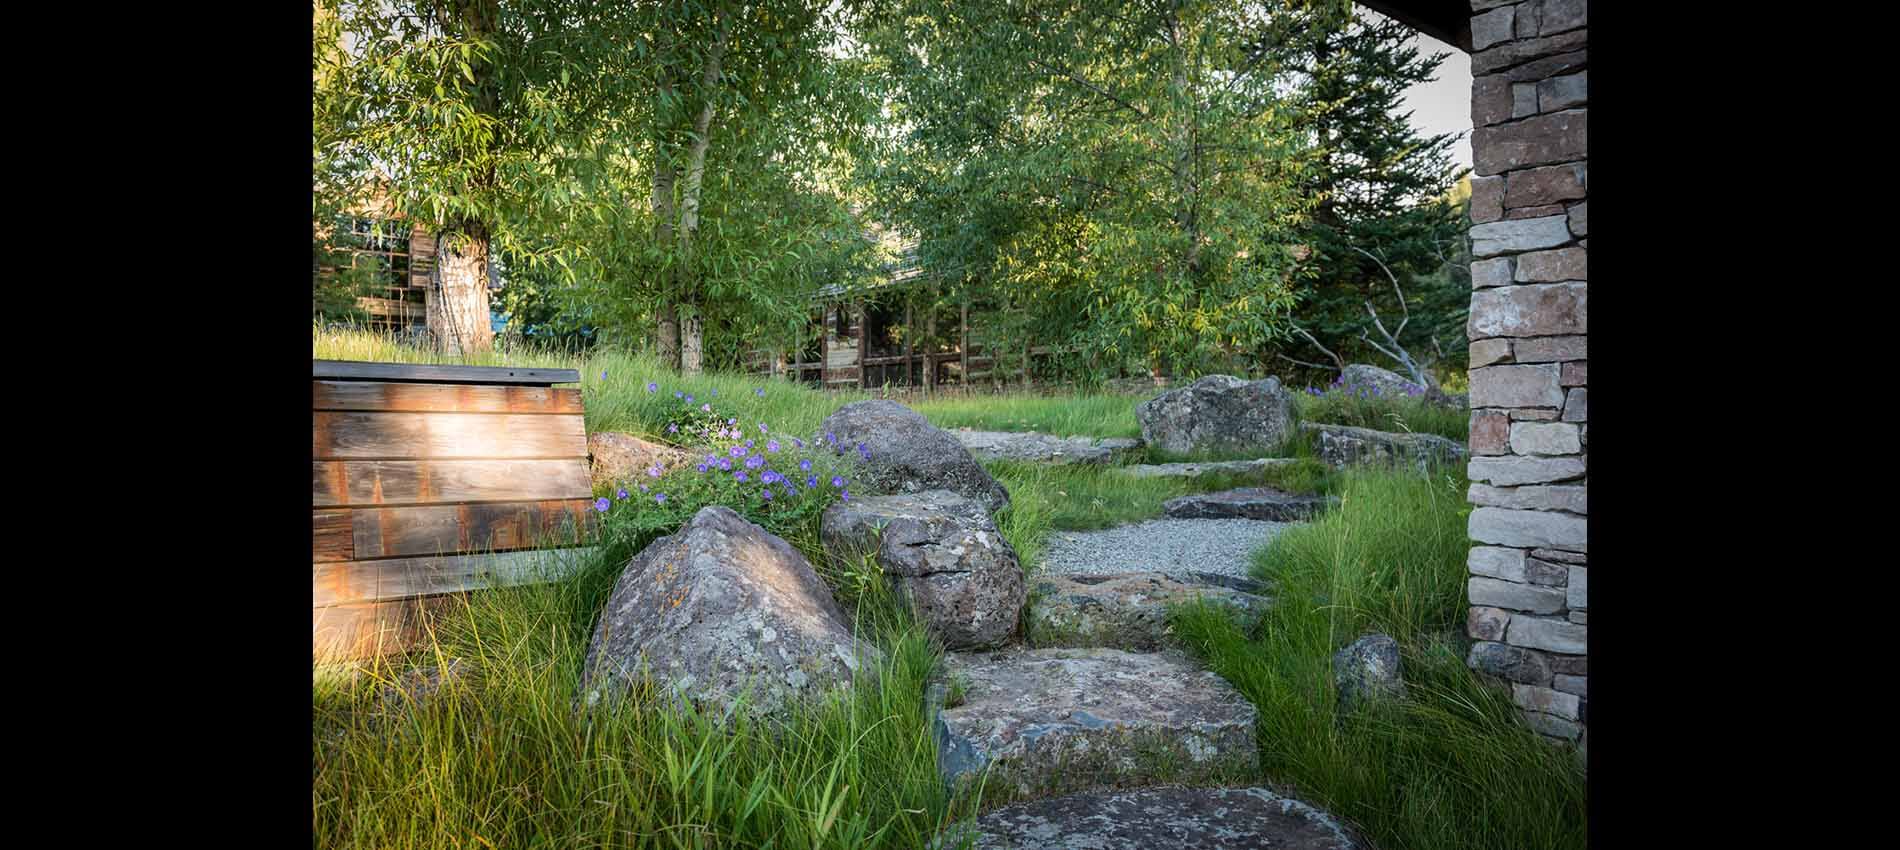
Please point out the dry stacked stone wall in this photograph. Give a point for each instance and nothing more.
(1530, 228)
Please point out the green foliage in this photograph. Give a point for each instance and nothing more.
(1451, 766)
(1357, 407)
(1125, 187)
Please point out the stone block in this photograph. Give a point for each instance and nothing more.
(1578, 598)
(1569, 665)
(1486, 352)
(1509, 662)
(1546, 700)
(1490, 104)
(1577, 405)
(1510, 527)
(1561, 497)
(1559, 556)
(1523, 100)
(1546, 139)
(1579, 685)
(1509, 237)
(1545, 574)
(1490, 433)
(1497, 271)
(1512, 596)
(1492, 27)
(1555, 727)
(1544, 438)
(1538, 309)
(1496, 562)
(1579, 216)
(1487, 623)
(1481, 5)
(1563, 92)
(1516, 386)
(1575, 374)
(1511, 54)
(1487, 199)
(1551, 184)
(1547, 634)
(1572, 263)
(1535, 414)
(1534, 212)
(1562, 15)
(1513, 471)
(1550, 349)
(1581, 618)
(1526, 21)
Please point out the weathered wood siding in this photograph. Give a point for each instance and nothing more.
(428, 482)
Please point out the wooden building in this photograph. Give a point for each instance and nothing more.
(433, 481)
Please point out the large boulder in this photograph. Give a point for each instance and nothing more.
(1218, 413)
(1344, 445)
(944, 553)
(1130, 610)
(719, 607)
(907, 454)
(616, 457)
(1175, 817)
(1368, 670)
(1050, 721)
(1384, 383)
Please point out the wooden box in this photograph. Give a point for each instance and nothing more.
(432, 481)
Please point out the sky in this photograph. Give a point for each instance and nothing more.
(1444, 104)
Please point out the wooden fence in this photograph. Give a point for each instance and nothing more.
(431, 481)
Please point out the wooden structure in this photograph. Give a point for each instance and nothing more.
(402, 256)
(430, 481)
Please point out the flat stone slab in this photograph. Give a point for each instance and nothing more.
(1345, 445)
(1189, 470)
(1172, 817)
(1177, 547)
(1127, 611)
(1248, 503)
(1050, 721)
(1031, 447)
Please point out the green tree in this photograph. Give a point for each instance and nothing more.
(1125, 182)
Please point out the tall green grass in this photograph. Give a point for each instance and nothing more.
(1103, 415)
(1086, 497)
(1451, 766)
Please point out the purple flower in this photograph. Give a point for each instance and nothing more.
(771, 445)
(643, 488)
(623, 492)
(831, 438)
(673, 429)
(737, 451)
(771, 476)
(732, 422)
(760, 392)
(659, 498)
(739, 475)
(755, 461)
(601, 504)
(678, 394)
(689, 399)
(811, 480)
(724, 464)
(603, 374)
(844, 495)
(804, 465)
(654, 470)
(702, 467)
(761, 427)
(866, 453)
(767, 493)
(798, 442)
(652, 387)
(715, 392)
(837, 481)
(706, 407)
(748, 444)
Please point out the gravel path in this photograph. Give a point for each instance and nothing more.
(1173, 546)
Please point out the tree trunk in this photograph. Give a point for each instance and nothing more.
(669, 341)
(458, 308)
(691, 344)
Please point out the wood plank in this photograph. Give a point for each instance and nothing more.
(343, 436)
(352, 483)
(442, 398)
(331, 537)
(449, 529)
(400, 578)
(366, 629)
(356, 370)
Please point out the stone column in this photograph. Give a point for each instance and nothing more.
(1529, 361)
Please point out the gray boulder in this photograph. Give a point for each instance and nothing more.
(1344, 445)
(910, 455)
(715, 608)
(1248, 503)
(1127, 611)
(1050, 721)
(1030, 447)
(1368, 670)
(1376, 381)
(943, 552)
(1173, 817)
(1218, 413)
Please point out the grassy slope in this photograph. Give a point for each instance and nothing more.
(1452, 766)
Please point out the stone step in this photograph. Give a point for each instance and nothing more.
(1032, 447)
(1126, 611)
(1249, 503)
(1050, 721)
(1345, 445)
(1189, 470)
(1174, 817)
